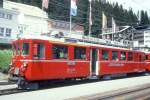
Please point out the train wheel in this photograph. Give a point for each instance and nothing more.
(107, 77)
(147, 73)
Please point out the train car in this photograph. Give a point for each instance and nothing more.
(37, 59)
(147, 61)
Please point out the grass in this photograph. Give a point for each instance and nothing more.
(5, 59)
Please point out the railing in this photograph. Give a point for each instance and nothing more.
(79, 38)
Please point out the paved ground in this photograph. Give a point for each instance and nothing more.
(3, 77)
(78, 90)
(2, 87)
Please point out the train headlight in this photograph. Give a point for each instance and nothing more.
(24, 65)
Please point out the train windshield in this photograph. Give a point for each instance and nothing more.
(25, 49)
(16, 48)
(38, 50)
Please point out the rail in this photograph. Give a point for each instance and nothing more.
(11, 91)
(131, 93)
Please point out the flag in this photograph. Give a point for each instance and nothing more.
(104, 21)
(113, 25)
(90, 15)
(45, 4)
(73, 9)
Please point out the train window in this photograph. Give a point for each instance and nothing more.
(104, 55)
(14, 48)
(18, 49)
(123, 56)
(130, 56)
(39, 50)
(25, 49)
(146, 57)
(115, 55)
(79, 53)
(60, 52)
(142, 57)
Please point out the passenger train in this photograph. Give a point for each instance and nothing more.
(37, 59)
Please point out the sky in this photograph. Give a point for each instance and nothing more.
(134, 4)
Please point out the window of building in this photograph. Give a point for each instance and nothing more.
(8, 32)
(115, 55)
(2, 15)
(1, 31)
(39, 50)
(25, 49)
(104, 55)
(79, 53)
(123, 56)
(60, 52)
(9, 16)
(130, 56)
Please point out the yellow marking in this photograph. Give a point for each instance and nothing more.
(67, 43)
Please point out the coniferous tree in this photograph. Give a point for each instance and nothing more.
(60, 10)
(1, 3)
(144, 18)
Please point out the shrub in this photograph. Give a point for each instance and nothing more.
(5, 59)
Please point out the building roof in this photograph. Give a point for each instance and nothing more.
(66, 25)
(25, 9)
(9, 11)
(143, 27)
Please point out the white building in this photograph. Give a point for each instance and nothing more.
(32, 20)
(8, 25)
(147, 38)
(142, 38)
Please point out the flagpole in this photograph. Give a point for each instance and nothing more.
(90, 19)
(42, 20)
(70, 20)
(73, 12)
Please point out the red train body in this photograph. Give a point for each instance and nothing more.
(148, 61)
(41, 59)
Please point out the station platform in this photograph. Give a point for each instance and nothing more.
(2, 87)
(75, 91)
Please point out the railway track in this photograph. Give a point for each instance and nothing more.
(134, 93)
(7, 83)
(11, 91)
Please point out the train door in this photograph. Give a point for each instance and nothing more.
(93, 61)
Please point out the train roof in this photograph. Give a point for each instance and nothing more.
(79, 41)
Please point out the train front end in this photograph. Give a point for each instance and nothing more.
(19, 67)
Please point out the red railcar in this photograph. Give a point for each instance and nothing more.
(47, 59)
(148, 61)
